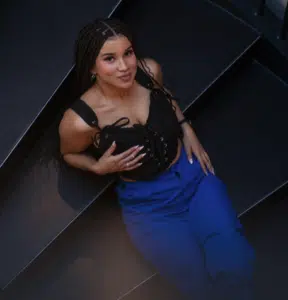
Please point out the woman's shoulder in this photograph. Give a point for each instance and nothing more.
(150, 65)
(73, 122)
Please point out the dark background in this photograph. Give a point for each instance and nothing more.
(36, 53)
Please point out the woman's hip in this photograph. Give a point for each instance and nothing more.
(169, 189)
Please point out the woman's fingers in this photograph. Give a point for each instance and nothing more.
(131, 160)
(134, 161)
(128, 159)
(203, 166)
(205, 163)
(132, 167)
(188, 151)
(110, 150)
(128, 153)
(208, 162)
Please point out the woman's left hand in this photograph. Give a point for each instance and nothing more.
(193, 146)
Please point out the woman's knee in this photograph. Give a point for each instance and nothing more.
(211, 210)
(230, 254)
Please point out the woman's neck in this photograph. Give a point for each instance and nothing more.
(112, 92)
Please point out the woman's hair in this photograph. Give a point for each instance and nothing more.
(89, 43)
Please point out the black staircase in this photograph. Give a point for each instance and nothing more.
(284, 22)
(61, 233)
(284, 27)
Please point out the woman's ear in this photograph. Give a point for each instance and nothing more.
(93, 70)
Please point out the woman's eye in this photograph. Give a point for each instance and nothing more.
(109, 58)
(129, 52)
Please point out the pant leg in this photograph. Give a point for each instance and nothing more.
(228, 256)
(156, 215)
(175, 254)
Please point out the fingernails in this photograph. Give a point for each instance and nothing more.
(140, 148)
(191, 161)
(114, 143)
(143, 154)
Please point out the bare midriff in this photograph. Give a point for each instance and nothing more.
(172, 163)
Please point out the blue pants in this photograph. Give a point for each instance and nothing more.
(184, 224)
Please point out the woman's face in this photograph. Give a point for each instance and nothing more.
(116, 63)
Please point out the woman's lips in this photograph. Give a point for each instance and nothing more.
(126, 77)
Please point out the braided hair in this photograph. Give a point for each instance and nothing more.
(89, 43)
(90, 40)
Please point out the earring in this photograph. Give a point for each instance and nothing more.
(93, 78)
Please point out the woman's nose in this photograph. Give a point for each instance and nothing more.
(122, 66)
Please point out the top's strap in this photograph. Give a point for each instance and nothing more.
(85, 112)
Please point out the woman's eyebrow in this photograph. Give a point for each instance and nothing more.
(111, 53)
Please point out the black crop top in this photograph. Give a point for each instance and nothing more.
(159, 135)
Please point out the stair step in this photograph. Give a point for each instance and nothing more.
(42, 201)
(83, 262)
(47, 47)
(199, 39)
(269, 24)
(243, 127)
(267, 229)
(154, 288)
(26, 174)
(93, 259)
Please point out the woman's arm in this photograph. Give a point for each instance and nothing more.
(76, 136)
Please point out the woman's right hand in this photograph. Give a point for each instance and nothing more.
(125, 161)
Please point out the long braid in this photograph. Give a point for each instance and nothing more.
(149, 73)
(86, 48)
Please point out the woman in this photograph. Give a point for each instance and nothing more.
(177, 212)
